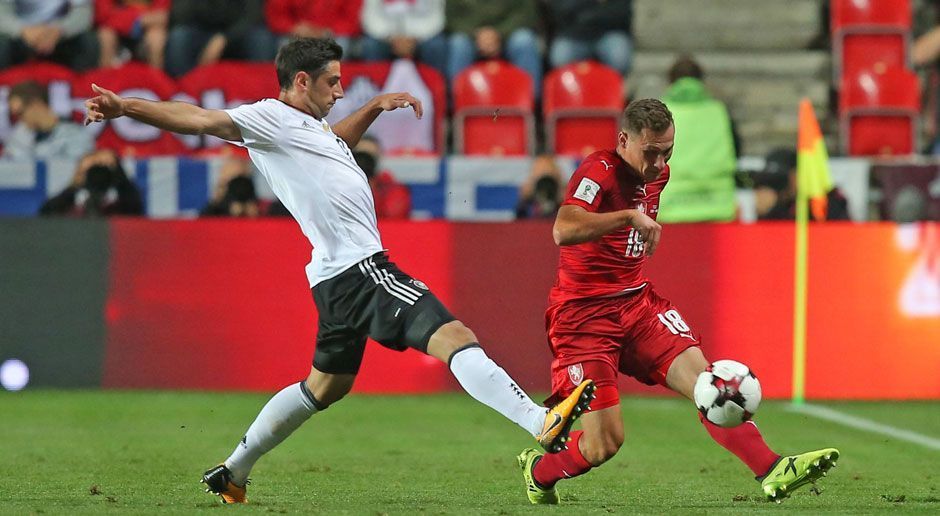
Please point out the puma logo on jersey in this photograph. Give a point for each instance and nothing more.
(606, 165)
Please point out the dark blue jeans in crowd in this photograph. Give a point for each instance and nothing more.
(186, 42)
(432, 51)
(78, 52)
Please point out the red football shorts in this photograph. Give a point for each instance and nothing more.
(637, 334)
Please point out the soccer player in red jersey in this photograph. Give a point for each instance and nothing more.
(605, 318)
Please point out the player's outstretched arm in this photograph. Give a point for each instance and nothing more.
(178, 117)
(351, 128)
(575, 225)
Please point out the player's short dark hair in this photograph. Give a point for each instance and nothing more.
(309, 55)
(28, 91)
(646, 114)
(685, 66)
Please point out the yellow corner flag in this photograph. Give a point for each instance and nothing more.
(812, 186)
(812, 163)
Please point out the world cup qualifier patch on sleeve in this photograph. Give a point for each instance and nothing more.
(587, 190)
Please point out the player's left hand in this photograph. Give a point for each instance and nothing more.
(105, 106)
(393, 101)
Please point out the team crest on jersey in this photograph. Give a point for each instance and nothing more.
(576, 373)
(587, 190)
(420, 284)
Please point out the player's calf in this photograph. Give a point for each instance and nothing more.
(600, 449)
(603, 434)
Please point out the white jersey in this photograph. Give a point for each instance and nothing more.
(312, 171)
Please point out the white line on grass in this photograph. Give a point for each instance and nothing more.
(869, 425)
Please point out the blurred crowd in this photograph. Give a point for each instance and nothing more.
(536, 36)
(178, 35)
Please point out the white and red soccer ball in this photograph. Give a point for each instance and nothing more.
(727, 393)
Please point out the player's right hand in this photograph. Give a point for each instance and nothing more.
(649, 231)
(105, 106)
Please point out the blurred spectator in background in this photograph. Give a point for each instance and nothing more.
(99, 188)
(410, 29)
(54, 30)
(592, 29)
(138, 27)
(540, 196)
(493, 30)
(910, 204)
(392, 199)
(775, 190)
(234, 193)
(337, 19)
(204, 31)
(773, 180)
(38, 133)
(701, 171)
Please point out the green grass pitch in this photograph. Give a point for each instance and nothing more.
(68, 452)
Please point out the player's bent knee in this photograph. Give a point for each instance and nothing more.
(448, 339)
(326, 389)
(684, 370)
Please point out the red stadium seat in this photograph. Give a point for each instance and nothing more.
(869, 34)
(880, 135)
(878, 113)
(126, 136)
(877, 52)
(493, 110)
(582, 104)
(870, 13)
(892, 88)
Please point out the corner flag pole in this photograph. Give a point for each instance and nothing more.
(812, 185)
(799, 293)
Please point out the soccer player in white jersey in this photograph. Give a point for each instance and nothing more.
(358, 292)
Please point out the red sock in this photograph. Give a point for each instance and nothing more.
(744, 441)
(553, 467)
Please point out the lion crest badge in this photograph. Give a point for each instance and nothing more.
(576, 373)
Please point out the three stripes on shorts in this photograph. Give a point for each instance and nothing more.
(391, 284)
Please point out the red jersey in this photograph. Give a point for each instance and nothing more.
(614, 262)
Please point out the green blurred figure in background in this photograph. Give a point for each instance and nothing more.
(701, 186)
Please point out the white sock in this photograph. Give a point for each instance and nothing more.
(283, 414)
(491, 385)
